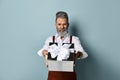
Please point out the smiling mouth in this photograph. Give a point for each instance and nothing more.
(61, 30)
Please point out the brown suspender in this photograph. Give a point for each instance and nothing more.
(70, 39)
(53, 39)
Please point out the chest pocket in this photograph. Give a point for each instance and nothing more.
(71, 47)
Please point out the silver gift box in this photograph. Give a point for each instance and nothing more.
(67, 66)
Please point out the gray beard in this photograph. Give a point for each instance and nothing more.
(62, 33)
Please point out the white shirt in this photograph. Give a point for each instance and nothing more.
(75, 41)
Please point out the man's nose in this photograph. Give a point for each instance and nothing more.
(62, 26)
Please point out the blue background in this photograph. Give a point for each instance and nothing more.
(25, 25)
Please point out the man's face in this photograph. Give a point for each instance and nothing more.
(62, 24)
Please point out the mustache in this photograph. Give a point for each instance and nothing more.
(61, 29)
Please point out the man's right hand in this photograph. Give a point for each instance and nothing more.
(45, 52)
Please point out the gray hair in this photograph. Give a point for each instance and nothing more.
(62, 14)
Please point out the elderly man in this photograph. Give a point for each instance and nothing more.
(58, 46)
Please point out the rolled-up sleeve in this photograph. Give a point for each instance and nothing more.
(45, 47)
(78, 47)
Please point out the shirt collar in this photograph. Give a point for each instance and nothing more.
(64, 36)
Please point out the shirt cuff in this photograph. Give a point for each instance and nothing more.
(40, 52)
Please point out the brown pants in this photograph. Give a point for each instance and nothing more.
(59, 75)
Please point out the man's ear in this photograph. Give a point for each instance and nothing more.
(55, 24)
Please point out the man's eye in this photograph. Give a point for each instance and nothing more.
(64, 24)
(59, 24)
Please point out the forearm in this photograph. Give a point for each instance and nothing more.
(81, 55)
(78, 54)
(44, 52)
